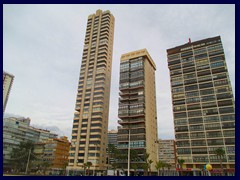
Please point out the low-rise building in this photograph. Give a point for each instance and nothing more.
(17, 130)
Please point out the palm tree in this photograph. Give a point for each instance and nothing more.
(84, 168)
(88, 164)
(181, 162)
(220, 153)
(149, 166)
(158, 166)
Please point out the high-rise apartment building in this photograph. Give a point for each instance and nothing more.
(167, 152)
(7, 84)
(203, 103)
(112, 137)
(90, 124)
(137, 107)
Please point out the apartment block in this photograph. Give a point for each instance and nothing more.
(17, 130)
(55, 152)
(137, 107)
(167, 152)
(90, 123)
(7, 84)
(203, 103)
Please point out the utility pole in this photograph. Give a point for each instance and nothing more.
(28, 161)
(129, 152)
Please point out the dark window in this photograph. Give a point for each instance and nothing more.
(226, 110)
(204, 73)
(190, 88)
(205, 85)
(195, 120)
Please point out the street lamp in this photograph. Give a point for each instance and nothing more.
(129, 152)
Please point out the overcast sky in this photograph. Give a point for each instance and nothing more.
(43, 45)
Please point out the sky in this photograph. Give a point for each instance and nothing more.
(43, 45)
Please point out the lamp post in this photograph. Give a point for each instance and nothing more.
(28, 161)
(129, 152)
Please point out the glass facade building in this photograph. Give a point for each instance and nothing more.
(137, 107)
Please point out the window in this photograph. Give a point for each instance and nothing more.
(172, 57)
(197, 120)
(207, 91)
(193, 100)
(212, 126)
(194, 106)
(194, 113)
(208, 98)
(177, 90)
(184, 151)
(196, 127)
(211, 119)
(190, 88)
(210, 112)
(179, 108)
(230, 117)
(206, 85)
(189, 76)
(224, 96)
(198, 143)
(197, 135)
(200, 51)
(199, 151)
(226, 110)
(183, 144)
(217, 64)
(209, 105)
(192, 94)
(180, 122)
(201, 56)
(184, 54)
(228, 125)
(181, 128)
(180, 115)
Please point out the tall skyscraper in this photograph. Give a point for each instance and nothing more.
(7, 84)
(137, 107)
(90, 124)
(203, 103)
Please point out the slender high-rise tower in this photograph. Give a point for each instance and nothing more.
(203, 104)
(137, 109)
(7, 84)
(90, 124)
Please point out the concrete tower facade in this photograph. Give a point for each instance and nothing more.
(90, 124)
(203, 103)
(7, 84)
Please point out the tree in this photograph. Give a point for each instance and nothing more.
(134, 166)
(84, 168)
(89, 164)
(159, 165)
(181, 162)
(19, 156)
(149, 165)
(220, 153)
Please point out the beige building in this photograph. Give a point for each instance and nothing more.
(167, 152)
(137, 107)
(90, 124)
(7, 84)
(55, 152)
(203, 103)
